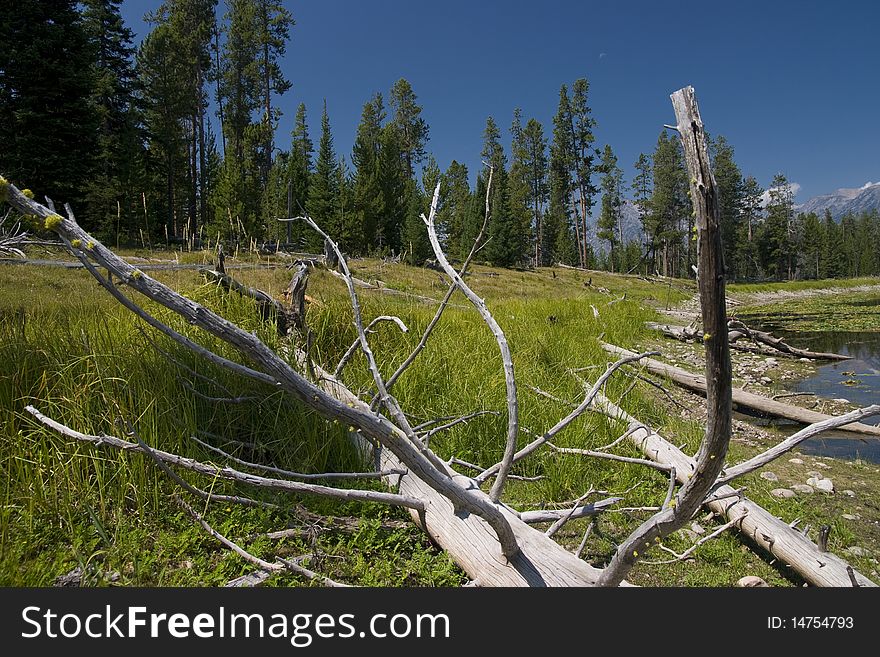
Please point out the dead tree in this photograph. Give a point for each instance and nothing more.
(495, 544)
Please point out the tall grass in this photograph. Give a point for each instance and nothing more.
(68, 349)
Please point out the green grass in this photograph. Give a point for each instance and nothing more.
(794, 286)
(70, 350)
(852, 312)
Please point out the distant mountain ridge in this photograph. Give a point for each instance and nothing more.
(631, 224)
(844, 201)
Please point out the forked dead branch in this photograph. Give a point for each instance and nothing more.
(495, 544)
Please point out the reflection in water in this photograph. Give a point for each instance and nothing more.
(856, 380)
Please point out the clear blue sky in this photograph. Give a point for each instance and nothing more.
(792, 85)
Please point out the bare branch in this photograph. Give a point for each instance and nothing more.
(244, 554)
(705, 539)
(583, 544)
(553, 515)
(299, 475)
(612, 457)
(500, 338)
(568, 419)
(230, 474)
(762, 459)
(464, 418)
(446, 299)
(350, 351)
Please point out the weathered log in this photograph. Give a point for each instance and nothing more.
(736, 330)
(753, 521)
(737, 326)
(270, 309)
(742, 398)
(688, 334)
(296, 300)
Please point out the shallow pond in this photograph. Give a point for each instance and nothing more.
(856, 380)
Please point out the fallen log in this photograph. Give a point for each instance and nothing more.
(774, 346)
(741, 398)
(687, 334)
(753, 521)
(737, 326)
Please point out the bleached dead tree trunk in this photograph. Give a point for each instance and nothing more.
(492, 542)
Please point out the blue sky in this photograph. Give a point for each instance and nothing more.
(792, 85)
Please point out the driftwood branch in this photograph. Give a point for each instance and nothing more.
(446, 299)
(230, 474)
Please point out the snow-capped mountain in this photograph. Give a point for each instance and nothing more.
(845, 201)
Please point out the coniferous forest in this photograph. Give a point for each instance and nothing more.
(127, 135)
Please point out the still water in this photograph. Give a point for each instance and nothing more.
(856, 380)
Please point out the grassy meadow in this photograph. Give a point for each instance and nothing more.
(70, 350)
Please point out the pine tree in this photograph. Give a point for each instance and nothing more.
(561, 234)
(299, 172)
(415, 239)
(535, 164)
(835, 255)
(642, 191)
(366, 154)
(519, 211)
(752, 217)
(48, 121)
(393, 181)
(609, 226)
(583, 158)
(160, 70)
(411, 129)
(455, 217)
(810, 253)
(777, 236)
(114, 193)
(323, 205)
(272, 33)
(730, 189)
(669, 207)
(502, 249)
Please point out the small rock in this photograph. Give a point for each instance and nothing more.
(850, 516)
(73, 578)
(689, 535)
(804, 360)
(771, 362)
(857, 551)
(751, 581)
(697, 528)
(796, 461)
(815, 474)
(822, 465)
(784, 493)
(766, 380)
(849, 493)
(769, 476)
(822, 484)
(802, 488)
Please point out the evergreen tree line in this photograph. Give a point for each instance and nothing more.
(125, 135)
